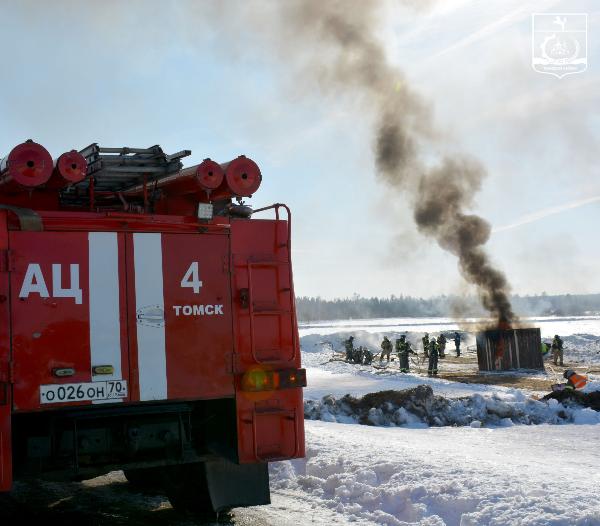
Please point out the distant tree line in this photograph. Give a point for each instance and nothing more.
(357, 307)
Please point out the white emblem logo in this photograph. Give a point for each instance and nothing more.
(559, 43)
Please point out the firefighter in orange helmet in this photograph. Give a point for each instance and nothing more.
(574, 380)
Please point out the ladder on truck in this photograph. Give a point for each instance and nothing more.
(282, 310)
(115, 170)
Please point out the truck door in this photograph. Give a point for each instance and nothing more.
(68, 325)
(181, 310)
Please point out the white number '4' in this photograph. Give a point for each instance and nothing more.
(192, 278)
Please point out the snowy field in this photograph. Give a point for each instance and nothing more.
(435, 476)
(497, 456)
(549, 325)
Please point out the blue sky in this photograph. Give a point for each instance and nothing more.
(172, 72)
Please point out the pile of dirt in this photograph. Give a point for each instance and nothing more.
(419, 406)
(416, 405)
(419, 401)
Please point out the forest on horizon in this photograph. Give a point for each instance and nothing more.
(357, 307)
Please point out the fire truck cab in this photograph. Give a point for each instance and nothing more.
(147, 323)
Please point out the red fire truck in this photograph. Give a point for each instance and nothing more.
(147, 323)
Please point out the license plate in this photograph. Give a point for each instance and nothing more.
(60, 393)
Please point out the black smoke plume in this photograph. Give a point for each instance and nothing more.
(340, 50)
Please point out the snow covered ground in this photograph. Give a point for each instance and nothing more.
(454, 476)
(494, 471)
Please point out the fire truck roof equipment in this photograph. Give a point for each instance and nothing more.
(69, 168)
(243, 176)
(27, 165)
(118, 169)
(200, 178)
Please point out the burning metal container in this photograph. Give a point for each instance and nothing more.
(503, 350)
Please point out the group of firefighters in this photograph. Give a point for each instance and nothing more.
(432, 350)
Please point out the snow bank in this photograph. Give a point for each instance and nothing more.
(360, 380)
(445, 476)
(419, 407)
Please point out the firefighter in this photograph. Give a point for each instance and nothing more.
(441, 341)
(349, 345)
(557, 350)
(457, 344)
(357, 356)
(367, 357)
(574, 380)
(386, 349)
(400, 343)
(545, 348)
(425, 340)
(432, 369)
(403, 356)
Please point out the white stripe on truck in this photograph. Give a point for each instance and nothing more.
(105, 325)
(150, 307)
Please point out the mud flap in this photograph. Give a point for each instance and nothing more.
(231, 485)
(270, 429)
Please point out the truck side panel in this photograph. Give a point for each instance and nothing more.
(66, 317)
(106, 317)
(5, 357)
(179, 316)
(197, 302)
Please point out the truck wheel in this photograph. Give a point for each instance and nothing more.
(187, 489)
(144, 478)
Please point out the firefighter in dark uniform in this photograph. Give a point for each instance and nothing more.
(386, 349)
(357, 356)
(441, 341)
(557, 350)
(425, 340)
(349, 345)
(457, 343)
(400, 343)
(432, 369)
(403, 356)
